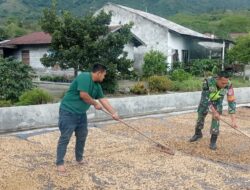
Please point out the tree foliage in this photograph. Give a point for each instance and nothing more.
(219, 23)
(32, 9)
(15, 78)
(3, 34)
(241, 51)
(215, 16)
(154, 63)
(14, 27)
(79, 43)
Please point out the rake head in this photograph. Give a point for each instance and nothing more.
(165, 149)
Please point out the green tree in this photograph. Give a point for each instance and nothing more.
(241, 51)
(79, 43)
(154, 64)
(3, 34)
(15, 78)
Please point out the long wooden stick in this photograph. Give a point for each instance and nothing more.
(169, 151)
(234, 127)
(229, 123)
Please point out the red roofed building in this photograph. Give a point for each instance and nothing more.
(31, 39)
(29, 48)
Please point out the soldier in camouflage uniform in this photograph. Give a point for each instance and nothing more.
(213, 91)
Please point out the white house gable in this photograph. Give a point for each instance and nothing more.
(178, 43)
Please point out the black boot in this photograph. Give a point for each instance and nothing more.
(197, 135)
(213, 140)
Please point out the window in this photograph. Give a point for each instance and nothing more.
(26, 57)
(185, 56)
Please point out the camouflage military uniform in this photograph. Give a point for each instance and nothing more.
(211, 95)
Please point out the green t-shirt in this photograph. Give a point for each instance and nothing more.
(72, 102)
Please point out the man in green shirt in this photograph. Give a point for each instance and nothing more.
(72, 114)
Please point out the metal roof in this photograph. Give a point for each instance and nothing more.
(164, 22)
(29, 39)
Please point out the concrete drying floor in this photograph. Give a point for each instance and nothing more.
(119, 158)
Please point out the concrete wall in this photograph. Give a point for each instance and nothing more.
(39, 116)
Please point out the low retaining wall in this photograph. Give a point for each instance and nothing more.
(39, 116)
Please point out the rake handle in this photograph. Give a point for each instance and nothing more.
(234, 128)
(157, 143)
(231, 125)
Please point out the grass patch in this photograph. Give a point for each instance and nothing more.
(240, 82)
(189, 85)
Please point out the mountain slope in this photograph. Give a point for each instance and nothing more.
(30, 9)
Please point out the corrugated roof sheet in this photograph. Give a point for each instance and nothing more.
(29, 39)
(164, 22)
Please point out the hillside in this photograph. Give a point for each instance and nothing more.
(30, 9)
(219, 23)
(18, 17)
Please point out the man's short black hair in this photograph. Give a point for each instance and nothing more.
(227, 73)
(98, 67)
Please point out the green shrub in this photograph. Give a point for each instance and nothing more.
(5, 103)
(15, 78)
(208, 74)
(56, 78)
(139, 88)
(199, 67)
(35, 96)
(154, 64)
(46, 78)
(180, 75)
(109, 86)
(159, 83)
(190, 85)
(240, 82)
(178, 65)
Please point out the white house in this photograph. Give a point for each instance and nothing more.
(30, 49)
(178, 43)
(150, 32)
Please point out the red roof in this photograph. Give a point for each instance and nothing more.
(33, 38)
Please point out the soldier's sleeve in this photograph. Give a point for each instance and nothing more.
(231, 100)
(204, 101)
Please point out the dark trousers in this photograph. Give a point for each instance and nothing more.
(69, 123)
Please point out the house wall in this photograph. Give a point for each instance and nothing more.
(129, 48)
(155, 36)
(36, 53)
(177, 42)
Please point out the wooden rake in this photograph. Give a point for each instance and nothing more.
(163, 148)
(224, 121)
